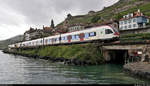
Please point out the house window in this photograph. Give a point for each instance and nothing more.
(134, 20)
(129, 26)
(125, 22)
(129, 21)
(121, 28)
(134, 25)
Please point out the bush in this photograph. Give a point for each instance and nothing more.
(95, 19)
(83, 52)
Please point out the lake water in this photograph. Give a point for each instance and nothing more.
(24, 70)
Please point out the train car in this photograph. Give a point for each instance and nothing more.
(55, 39)
(33, 43)
(17, 45)
(11, 46)
(95, 33)
(40, 42)
(101, 33)
(64, 38)
(25, 44)
(48, 40)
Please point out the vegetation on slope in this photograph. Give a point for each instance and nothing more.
(112, 12)
(86, 52)
(4, 44)
(135, 37)
(144, 9)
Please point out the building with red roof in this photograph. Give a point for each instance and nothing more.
(134, 20)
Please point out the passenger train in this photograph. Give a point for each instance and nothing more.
(99, 33)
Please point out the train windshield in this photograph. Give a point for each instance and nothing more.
(108, 31)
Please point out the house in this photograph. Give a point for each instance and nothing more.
(134, 20)
(76, 28)
(33, 34)
(48, 29)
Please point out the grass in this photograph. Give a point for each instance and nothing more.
(135, 37)
(144, 9)
(83, 52)
(108, 12)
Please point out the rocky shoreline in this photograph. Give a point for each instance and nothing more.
(139, 69)
(60, 59)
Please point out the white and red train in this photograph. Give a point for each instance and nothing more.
(99, 33)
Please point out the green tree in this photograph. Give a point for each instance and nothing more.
(118, 16)
(95, 19)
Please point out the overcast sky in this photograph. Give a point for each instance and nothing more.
(16, 16)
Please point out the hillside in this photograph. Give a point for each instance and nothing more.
(114, 12)
(4, 43)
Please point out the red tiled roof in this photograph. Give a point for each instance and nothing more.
(135, 14)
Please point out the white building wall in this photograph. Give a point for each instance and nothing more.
(128, 24)
(76, 28)
(27, 36)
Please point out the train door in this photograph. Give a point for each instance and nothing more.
(46, 42)
(53, 40)
(108, 34)
(81, 37)
(101, 33)
(69, 38)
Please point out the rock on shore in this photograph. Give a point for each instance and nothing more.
(140, 69)
(60, 59)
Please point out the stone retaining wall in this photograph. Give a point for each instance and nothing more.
(140, 69)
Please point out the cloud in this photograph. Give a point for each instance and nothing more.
(21, 14)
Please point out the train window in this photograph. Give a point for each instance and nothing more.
(62, 38)
(49, 40)
(41, 41)
(73, 37)
(77, 36)
(86, 35)
(92, 34)
(66, 38)
(57, 39)
(108, 31)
